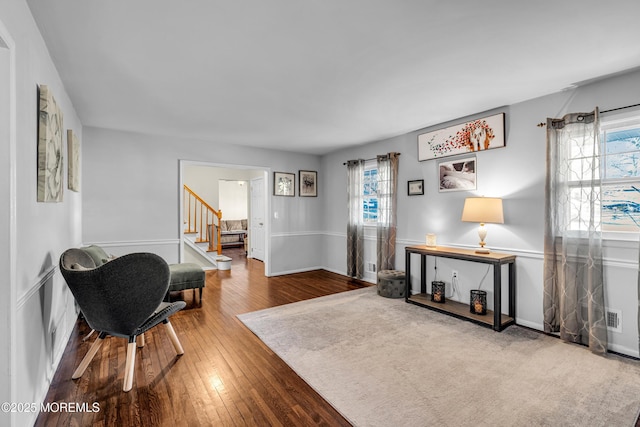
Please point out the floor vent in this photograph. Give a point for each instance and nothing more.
(614, 320)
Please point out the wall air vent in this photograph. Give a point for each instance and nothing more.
(614, 320)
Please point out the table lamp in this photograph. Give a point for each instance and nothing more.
(483, 210)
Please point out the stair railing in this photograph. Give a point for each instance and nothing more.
(200, 217)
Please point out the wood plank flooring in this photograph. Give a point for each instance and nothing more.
(226, 376)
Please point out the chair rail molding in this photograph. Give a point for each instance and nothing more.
(135, 243)
(43, 278)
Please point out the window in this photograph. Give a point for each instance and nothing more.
(370, 193)
(619, 168)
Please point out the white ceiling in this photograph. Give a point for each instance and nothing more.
(318, 75)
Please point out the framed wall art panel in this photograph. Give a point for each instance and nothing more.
(457, 175)
(50, 173)
(415, 187)
(73, 162)
(477, 135)
(284, 184)
(308, 183)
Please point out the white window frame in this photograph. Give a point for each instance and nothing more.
(609, 123)
(368, 166)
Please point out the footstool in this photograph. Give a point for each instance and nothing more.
(185, 276)
(223, 262)
(391, 283)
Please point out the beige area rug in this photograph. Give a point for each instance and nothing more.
(383, 362)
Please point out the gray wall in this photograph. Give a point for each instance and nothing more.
(515, 173)
(132, 195)
(7, 215)
(37, 309)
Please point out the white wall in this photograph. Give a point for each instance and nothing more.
(515, 173)
(41, 307)
(205, 181)
(234, 199)
(131, 194)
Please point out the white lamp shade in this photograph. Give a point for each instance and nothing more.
(483, 210)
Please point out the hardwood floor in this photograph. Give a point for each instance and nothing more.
(226, 376)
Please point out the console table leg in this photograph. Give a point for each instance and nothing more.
(512, 290)
(407, 275)
(497, 297)
(423, 274)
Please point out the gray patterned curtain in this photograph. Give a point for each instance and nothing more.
(355, 224)
(573, 276)
(387, 195)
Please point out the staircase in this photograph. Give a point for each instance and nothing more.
(199, 219)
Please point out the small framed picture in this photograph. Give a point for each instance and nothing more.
(284, 184)
(73, 164)
(416, 187)
(457, 175)
(308, 183)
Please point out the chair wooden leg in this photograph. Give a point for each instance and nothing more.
(174, 338)
(88, 357)
(130, 364)
(88, 336)
(140, 340)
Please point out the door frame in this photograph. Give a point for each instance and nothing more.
(9, 247)
(265, 218)
(266, 172)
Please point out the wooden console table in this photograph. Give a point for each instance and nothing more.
(493, 319)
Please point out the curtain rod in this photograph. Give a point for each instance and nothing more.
(619, 108)
(368, 160)
(542, 124)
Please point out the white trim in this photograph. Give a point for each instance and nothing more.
(13, 194)
(524, 253)
(33, 289)
(266, 174)
(624, 350)
(335, 234)
(158, 242)
(298, 234)
(618, 239)
(181, 166)
(528, 324)
(611, 346)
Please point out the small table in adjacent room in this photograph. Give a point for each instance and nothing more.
(493, 319)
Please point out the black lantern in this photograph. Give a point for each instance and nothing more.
(478, 302)
(437, 291)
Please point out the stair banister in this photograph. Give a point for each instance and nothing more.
(199, 220)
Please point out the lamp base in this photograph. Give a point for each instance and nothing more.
(483, 251)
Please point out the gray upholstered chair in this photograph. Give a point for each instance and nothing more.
(122, 297)
(183, 276)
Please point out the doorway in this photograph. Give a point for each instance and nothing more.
(204, 178)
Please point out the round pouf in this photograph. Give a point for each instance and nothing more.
(391, 283)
